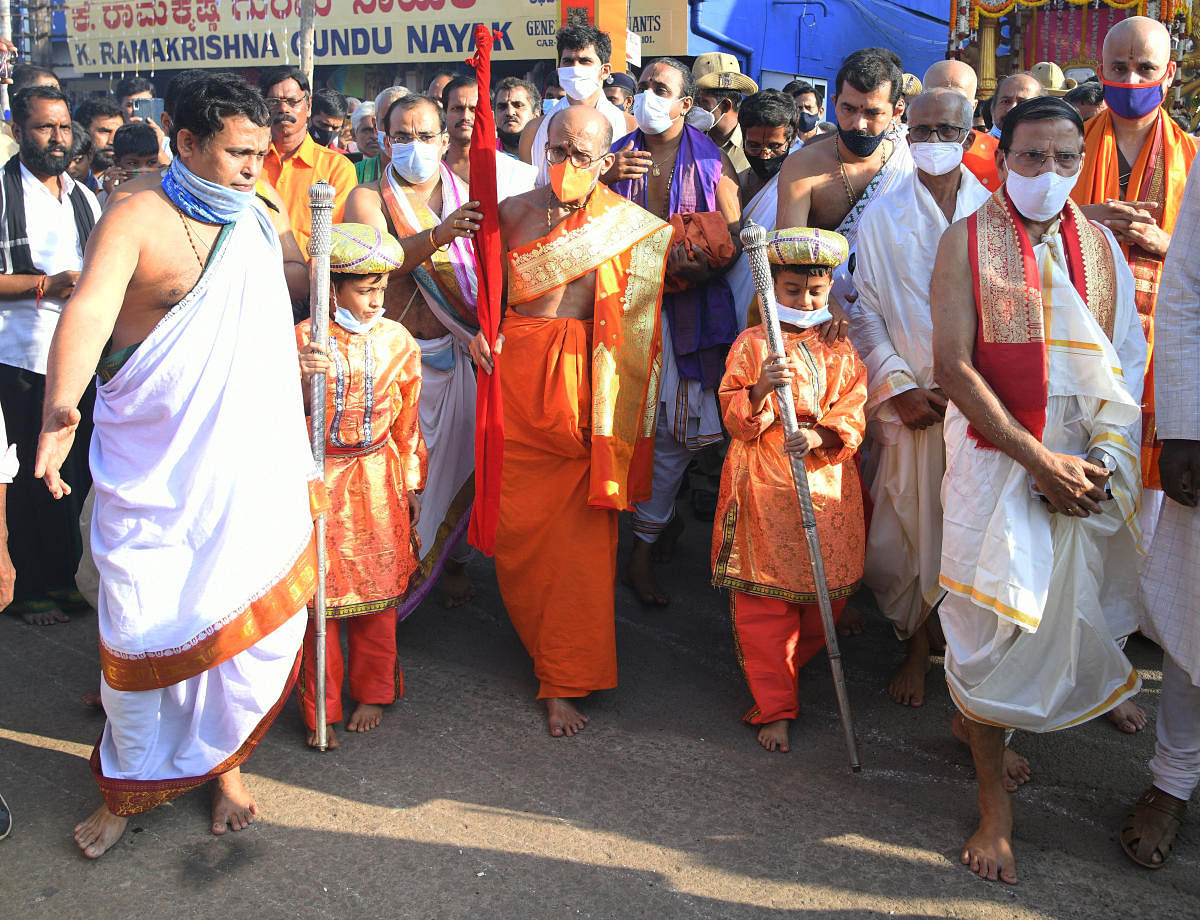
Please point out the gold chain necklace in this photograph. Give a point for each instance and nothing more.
(569, 207)
(837, 152)
(188, 230)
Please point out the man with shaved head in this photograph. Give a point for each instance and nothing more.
(576, 361)
(980, 153)
(1135, 165)
(1011, 92)
(893, 333)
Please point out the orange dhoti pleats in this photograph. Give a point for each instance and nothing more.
(775, 639)
(556, 557)
(375, 675)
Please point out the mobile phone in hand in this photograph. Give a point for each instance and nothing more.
(148, 109)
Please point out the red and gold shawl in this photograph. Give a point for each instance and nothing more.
(627, 248)
(1158, 175)
(1010, 338)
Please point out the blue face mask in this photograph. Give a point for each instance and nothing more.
(803, 319)
(352, 323)
(1132, 101)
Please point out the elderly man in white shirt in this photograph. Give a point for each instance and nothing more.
(892, 329)
(47, 218)
(1171, 579)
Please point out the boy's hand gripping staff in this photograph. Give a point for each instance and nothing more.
(754, 241)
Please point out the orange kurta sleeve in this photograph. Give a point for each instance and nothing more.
(742, 369)
(406, 426)
(845, 402)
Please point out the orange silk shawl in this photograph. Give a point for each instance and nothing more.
(626, 246)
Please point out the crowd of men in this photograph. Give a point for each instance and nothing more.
(1031, 465)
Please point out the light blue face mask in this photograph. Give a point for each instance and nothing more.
(352, 323)
(804, 319)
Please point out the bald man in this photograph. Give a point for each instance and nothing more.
(571, 462)
(979, 154)
(1011, 92)
(1135, 164)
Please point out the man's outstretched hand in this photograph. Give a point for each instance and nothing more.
(54, 443)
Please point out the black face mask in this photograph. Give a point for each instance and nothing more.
(508, 138)
(861, 145)
(766, 168)
(323, 136)
(807, 122)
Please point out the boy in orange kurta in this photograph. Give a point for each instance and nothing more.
(758, 549)
(374, 464)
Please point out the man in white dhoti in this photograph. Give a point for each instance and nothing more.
(1171, 580)
(1038, 346)
(892, 330)
(194, 667)
(419, 200)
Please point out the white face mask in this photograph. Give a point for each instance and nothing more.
(701, 119)
(580, 81)
(352, 323)
(804, 319)
(936, 157)
(653, 112)
(1042, 197)
(416, 161)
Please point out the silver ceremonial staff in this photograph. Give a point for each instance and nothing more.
(320, 199)
(754, 241)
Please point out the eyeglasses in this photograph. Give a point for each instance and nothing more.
(752, 149)
(1036, 159)
(579, 159)
(425, 137)
(275, 103)
(947, 133)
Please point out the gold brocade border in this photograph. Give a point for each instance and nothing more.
(1099, 270)
(261, 617)
(1013, 313)
(127, 797)
(549, 264)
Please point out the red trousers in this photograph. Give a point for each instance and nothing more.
(374, 668)
(775, 639)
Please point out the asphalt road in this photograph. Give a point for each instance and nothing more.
(461, 805)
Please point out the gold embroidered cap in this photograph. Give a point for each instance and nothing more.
(807, 246)
(719, 70)
(360, 249)
(911, 85)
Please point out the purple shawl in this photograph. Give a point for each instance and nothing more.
(702, 320)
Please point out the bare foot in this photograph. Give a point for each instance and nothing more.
(1129, 717)
(1016, 770)
(663, 549)
(331, 742)
(774, 736)
(365, 717)
(908, 684)
(456, 586)
(92, 700)
(46, 618)
(852, 621)
(989, 853)
(564, 718)
(232, 803)
(639, 575)
(99, 832)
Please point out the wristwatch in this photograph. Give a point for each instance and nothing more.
(1101, 457)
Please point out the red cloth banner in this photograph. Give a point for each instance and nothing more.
(489, 410)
